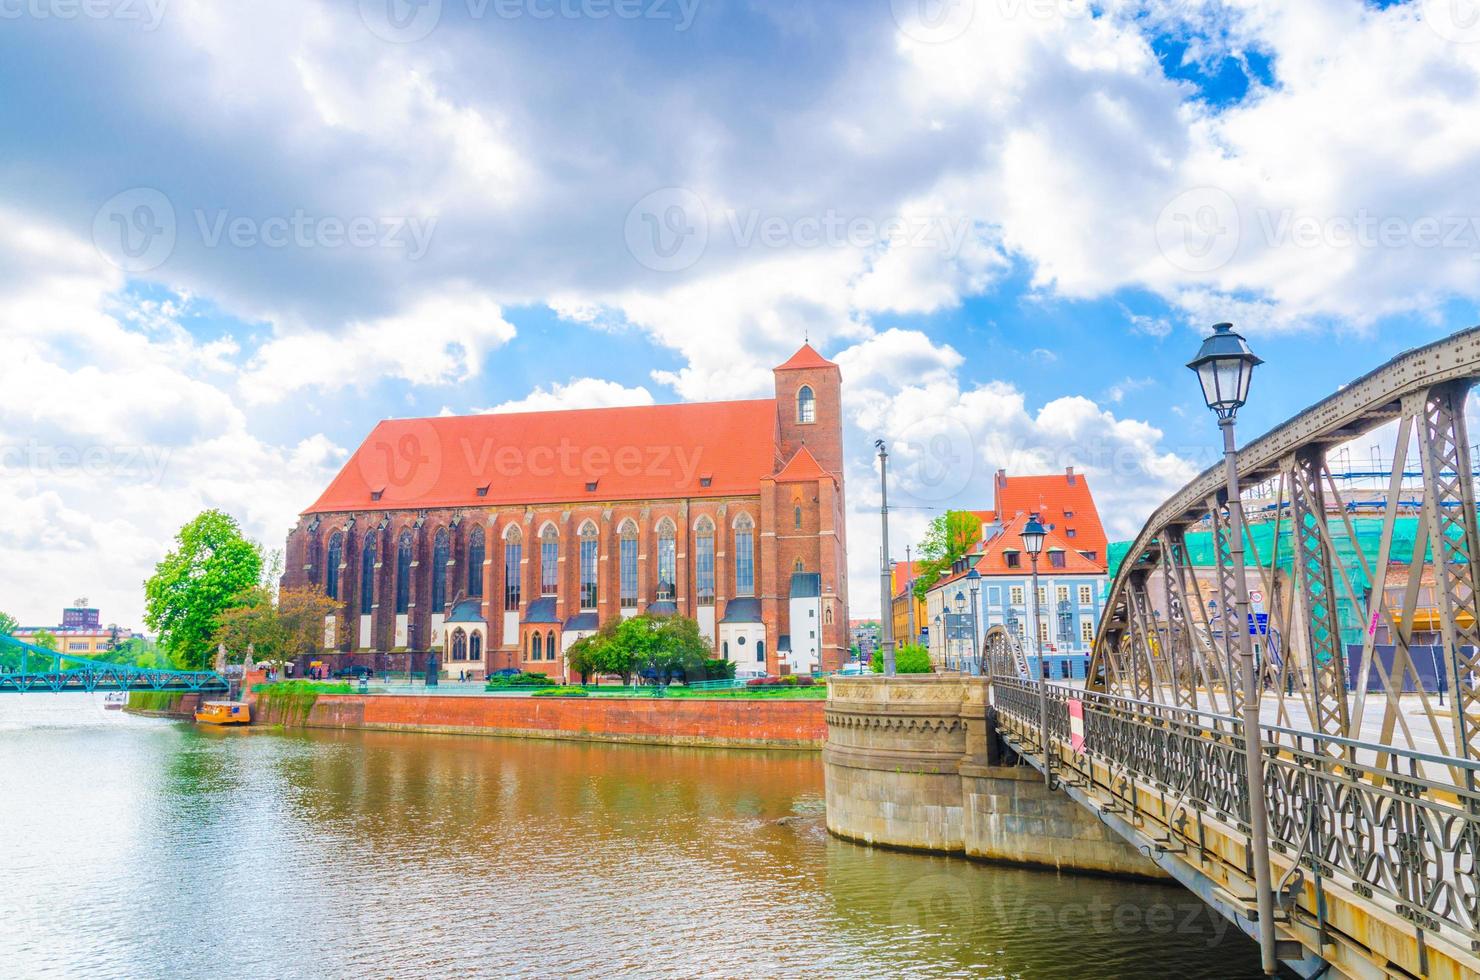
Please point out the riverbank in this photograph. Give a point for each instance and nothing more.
(771, 723)
(176, 705)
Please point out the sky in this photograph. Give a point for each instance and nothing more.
(234, 236)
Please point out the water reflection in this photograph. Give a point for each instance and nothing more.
(189, 853)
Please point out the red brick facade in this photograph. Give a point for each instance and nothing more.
(693, 468)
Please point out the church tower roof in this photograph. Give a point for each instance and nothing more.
(806, 357)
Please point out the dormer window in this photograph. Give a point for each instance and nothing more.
(377, 493)
(806, 405)
(591, 486)
(705, 481)
(483, 490)
(1013, 559)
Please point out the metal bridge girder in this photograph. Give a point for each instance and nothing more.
(1317, 586)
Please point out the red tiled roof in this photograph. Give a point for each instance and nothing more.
(705, 449)
(994, 557)
(1062, 500)
(801, 468)
(904, 573)
(807, 357)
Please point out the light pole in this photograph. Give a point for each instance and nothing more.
(1033, 534)
(909, 595)
(886, 613)
(960, 613)
(1225, 366)
(974, 581)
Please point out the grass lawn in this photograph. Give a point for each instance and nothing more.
(816, 692)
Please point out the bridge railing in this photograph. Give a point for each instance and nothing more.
(1394, 826)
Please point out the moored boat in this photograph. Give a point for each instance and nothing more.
(224, 713)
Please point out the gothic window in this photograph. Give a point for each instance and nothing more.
(796, 515)
(806, 405)
(667, 560)
(403, 574)
(627, 564)
(799, 568)
(704, 561)
(459, 645)
(549, 561)
(550, 645)
(477, 554)
(590, 550)
(744, 556)
(475, 646)
(441, 555)
(536, 647)
(513, 557)
(367, 575)
(331, 571)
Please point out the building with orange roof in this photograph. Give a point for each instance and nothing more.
(492, 542)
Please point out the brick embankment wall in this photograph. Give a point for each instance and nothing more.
(910, 763)
(184, 708)
(722, 722)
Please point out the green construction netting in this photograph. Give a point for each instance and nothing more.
(1261, 550)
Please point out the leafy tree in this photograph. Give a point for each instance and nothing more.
(662, 645)
(207, 574)
(911, 658)
(277, 631)
(45, 639)
(8, 624)
(949, 538)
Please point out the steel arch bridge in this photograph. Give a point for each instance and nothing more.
(42, 670)
(1371, 766)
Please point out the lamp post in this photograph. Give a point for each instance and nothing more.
(1225, 366)
(974, 582)
(1033, 534)
(960, 612)
(886, 612)
(909, 595)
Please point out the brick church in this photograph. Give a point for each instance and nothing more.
(497, 541)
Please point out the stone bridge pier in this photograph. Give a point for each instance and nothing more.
(914, 762)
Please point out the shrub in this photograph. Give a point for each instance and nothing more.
(560, 692)
(517, 681)
(911, 658)
(806, 680)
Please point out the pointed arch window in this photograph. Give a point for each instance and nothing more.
(796, 515)
(667, 560)
(536, 646)
(550, 645)
(704, 561)
(331, 569)
(475, 646)
(477, 555)
(627, 564)
(806, 405)
(744, 555)
(799, 568)
(590, 549)
(367, 575)
(441, 555)
(403, 574)
(513, 558)
(549, 561)
(459, 645)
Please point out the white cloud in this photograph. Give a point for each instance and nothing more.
(578, 393)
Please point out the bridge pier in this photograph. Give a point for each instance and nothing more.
(914, 762)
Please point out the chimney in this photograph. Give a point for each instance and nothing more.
(1069, 472)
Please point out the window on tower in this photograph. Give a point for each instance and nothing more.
(806, 405)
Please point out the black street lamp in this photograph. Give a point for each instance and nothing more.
(1033, 535)
(974, 583)
(1225, 366)
(960, 612)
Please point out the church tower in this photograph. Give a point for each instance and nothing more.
(809, 409)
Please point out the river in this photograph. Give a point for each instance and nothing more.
(145, 848)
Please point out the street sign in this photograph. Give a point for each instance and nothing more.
(1258, 624)
(1256, 597)
(959, 626)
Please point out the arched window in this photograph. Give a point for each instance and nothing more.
(549, 561)
(367, 575)
(799, 568)
(475, 646)
(760, 651)
(727, 650)
(550, 645)
(513, 559)
(590, 548)
(441, 555)
(477, 555)
(331, 570)
(627, 564)
(459, 645)
(536, 647)
(744, 555)
(667, 560)
(403, 574)
(806, 405)
(796, 515)
(704, 561)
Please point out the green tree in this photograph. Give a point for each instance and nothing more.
(45, 639)
(911, 658)
(8, 624)
(277, 631)
(664, 645)
(950, 537)
(211, 568)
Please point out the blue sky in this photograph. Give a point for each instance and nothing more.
(232, 237)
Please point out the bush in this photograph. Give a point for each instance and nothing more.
(806, 680)
(719, 670)
(911, 658)
(518, 681)
(560, 692)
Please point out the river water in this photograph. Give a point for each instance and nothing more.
(143, 848)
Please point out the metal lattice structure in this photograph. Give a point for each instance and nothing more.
(1184, 655)
(42, 670)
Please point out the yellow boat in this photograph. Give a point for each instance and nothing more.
(224, 713)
